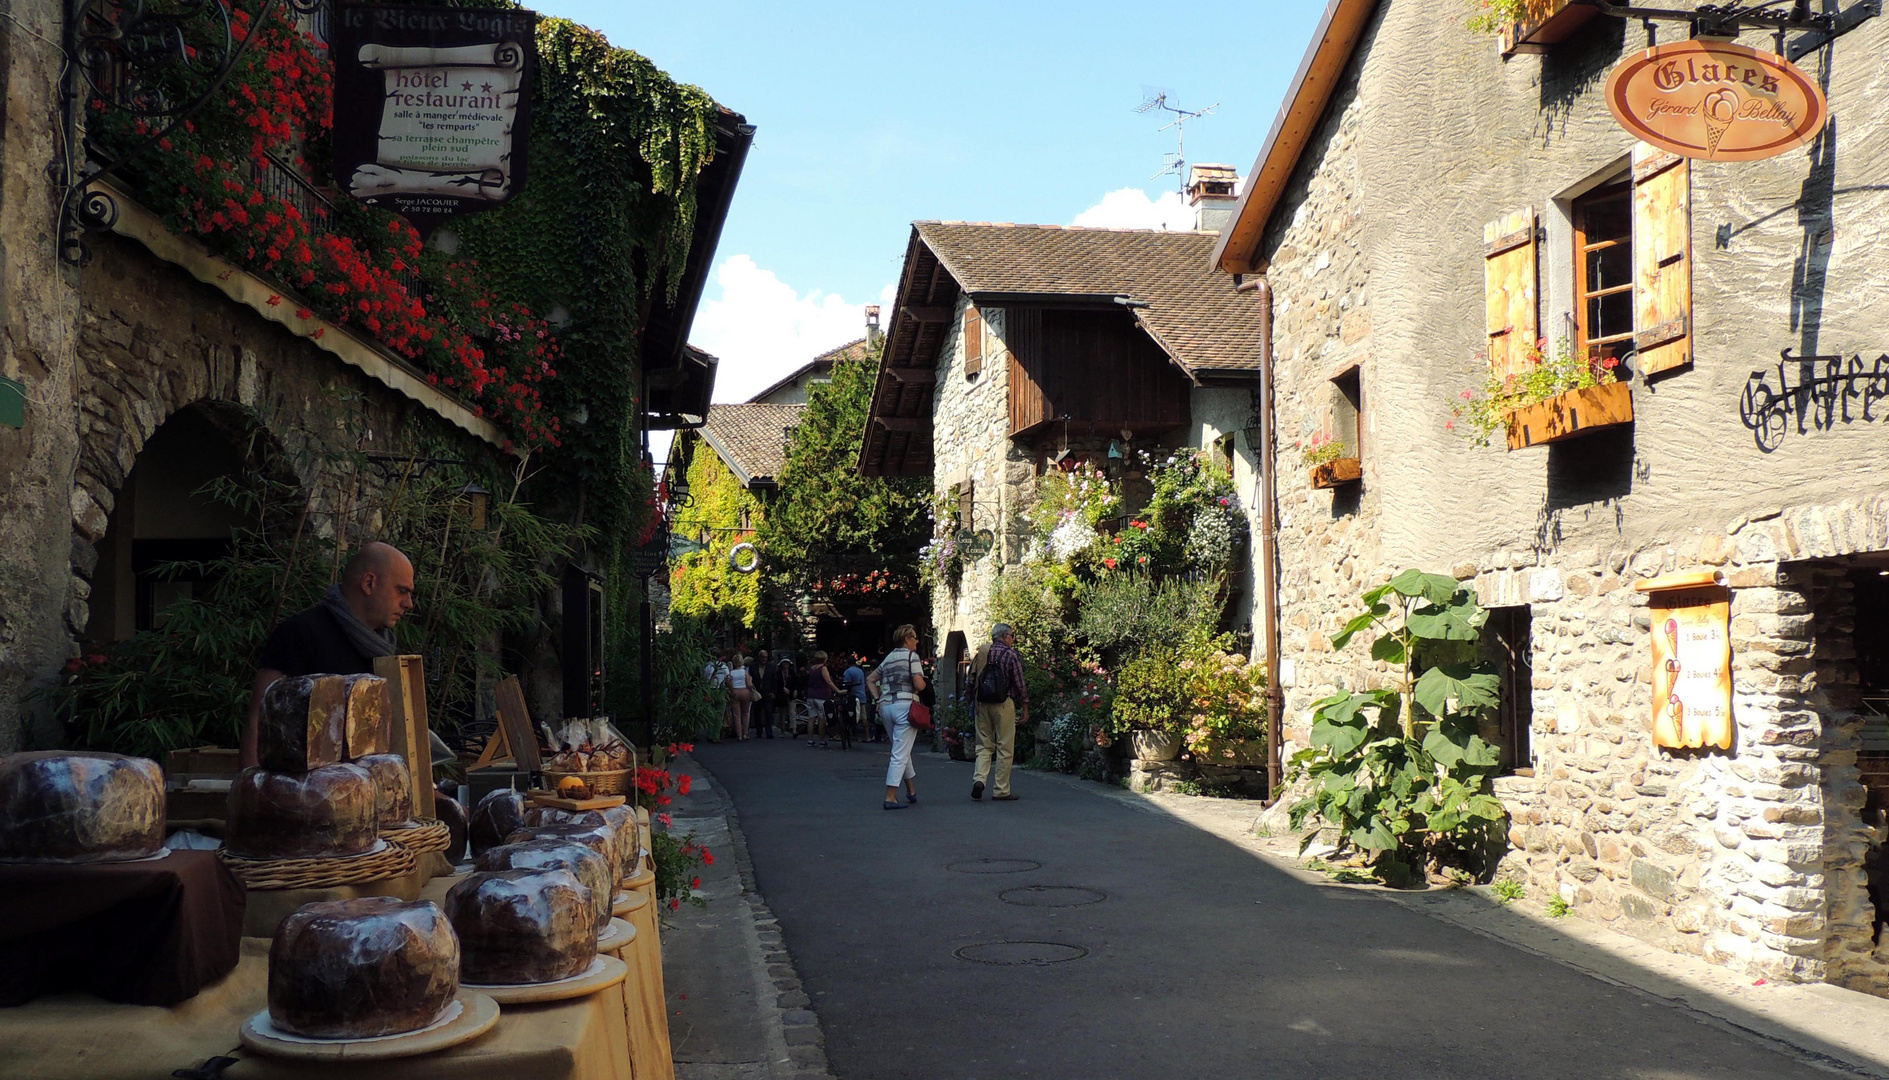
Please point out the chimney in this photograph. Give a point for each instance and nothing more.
(872, 322)
(1212, 190)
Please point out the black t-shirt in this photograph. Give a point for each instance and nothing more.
(313, 643)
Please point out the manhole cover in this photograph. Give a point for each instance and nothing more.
(1051, 896)
(993, 866)
(1021, 953)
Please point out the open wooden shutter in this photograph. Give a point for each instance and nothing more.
(1662, 259)
(973, 342)
(1509, 274)
(967, 503)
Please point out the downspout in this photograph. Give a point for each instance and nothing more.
(1266, 460)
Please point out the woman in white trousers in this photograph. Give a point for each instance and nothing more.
(895, 685)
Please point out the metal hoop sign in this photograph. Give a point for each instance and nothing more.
(744, 559)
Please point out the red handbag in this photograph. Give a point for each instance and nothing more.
(920, 716)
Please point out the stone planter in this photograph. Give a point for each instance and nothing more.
(1344, 470)
(1576, 412)
(1233, 753)
(1155, 745)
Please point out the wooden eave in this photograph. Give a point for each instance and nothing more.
(1312, 90)
(898, 432)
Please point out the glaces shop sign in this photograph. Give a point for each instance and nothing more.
(432, 107)
(1716, 100)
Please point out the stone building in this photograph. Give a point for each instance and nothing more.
(1018, 348)
(1425, 208)
(142, 366)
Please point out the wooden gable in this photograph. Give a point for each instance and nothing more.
(1093, 367)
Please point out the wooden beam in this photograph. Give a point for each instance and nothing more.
(916, 375)
(928, 314)
(903, 423)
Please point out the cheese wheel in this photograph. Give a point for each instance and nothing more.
(353, 969)
(582, 863)
(522, 926)
(393, 789)
(80, 807)
(327, 813)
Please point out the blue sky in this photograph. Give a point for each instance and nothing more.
(872, 116)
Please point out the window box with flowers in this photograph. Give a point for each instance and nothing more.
(1325, 457)
(1530, 26)
(1549, 400)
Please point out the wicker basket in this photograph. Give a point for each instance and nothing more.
(390, 862)
(605, 782)
(422, 838)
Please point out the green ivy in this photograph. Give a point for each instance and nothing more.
(703, 585)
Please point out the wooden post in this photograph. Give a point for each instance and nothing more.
(514, 723)
(406, 692)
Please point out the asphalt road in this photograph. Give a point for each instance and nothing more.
(1148, 948)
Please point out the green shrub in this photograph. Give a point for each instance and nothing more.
(1150, 693)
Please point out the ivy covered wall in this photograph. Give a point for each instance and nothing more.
(702, 585)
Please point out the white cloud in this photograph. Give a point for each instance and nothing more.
(763, 328)
(1131, 208)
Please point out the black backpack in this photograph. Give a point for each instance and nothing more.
(993, 685)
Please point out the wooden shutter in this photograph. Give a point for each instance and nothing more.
(973, 342)
(967, 504)
(1509, 281)
(1662, 259)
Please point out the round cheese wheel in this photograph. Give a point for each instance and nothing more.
(353, 969)
(326, 813)
(393, 789)
(497, 815)
(584, 864)
(598, 836)
(80, 807)
(522, 926)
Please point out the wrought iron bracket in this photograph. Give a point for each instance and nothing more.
(124, 57)
(1728, 19)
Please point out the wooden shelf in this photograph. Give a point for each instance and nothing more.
(1576, 412)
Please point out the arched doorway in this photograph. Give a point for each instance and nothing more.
(167, 511)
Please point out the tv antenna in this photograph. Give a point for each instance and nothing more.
(1154, 98)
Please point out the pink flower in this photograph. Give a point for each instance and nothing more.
(1449, 425)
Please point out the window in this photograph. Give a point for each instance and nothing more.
(973, 343)
(1347, 410)
(1506, 642)
(1603, 272)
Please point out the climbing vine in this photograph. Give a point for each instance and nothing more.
(702, 585)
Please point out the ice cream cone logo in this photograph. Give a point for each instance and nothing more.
(1718, 109)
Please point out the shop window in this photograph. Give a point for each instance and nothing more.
(1603, 272)
(973, 343)
(1506, 643)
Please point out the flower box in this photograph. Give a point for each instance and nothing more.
(1576, 412)
(1333, 473)
(1546, 22)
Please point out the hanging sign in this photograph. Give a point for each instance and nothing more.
(1692, 660)
(1716, 100)
(432, 107)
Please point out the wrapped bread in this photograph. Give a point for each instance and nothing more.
(498, 815)
(453, 816)
(313, 720)
(522, 926)
(393, 789)
(80, 807)
(596, 835)
(327, 813)
(353, 969)
(582, 863)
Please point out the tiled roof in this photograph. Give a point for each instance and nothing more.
(751, 438)
(1186, 305)
(852, 350)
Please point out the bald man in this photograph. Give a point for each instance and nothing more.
(343, 634)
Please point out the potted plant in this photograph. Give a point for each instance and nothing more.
(1325, 457)
(1226, 711)
(1149, 694)
(1529, 25)
(1550, 399)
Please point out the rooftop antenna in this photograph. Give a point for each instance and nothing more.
(1153, 98)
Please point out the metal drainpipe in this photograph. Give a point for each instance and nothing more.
(1266, 457)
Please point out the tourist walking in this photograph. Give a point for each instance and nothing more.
(786, 687)
(1001, 695)
(761, 677)
(853, 709)
(740, 696)
(717, 673)
(895, 684)
(821, 690)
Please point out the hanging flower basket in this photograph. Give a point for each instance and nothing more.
(1331, 474)
(1576, 412)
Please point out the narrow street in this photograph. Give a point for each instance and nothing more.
(1068, 935)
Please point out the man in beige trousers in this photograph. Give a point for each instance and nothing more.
(1001, 699)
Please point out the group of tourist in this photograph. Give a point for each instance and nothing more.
(765, 690)
(897, 683)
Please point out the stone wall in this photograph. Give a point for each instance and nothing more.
(1754, 857)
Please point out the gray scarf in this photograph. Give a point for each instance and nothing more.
(372, 643)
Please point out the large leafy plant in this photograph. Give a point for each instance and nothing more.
(1400, 771)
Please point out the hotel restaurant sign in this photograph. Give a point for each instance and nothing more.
(432, 107)
(1716, 100)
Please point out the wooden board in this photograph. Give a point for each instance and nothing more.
(1510, 277)
(552, 799)
(1662, 259)
(1576, 412)
(406, 697)
(607, 972)
(476, 1017)
(515, 720)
